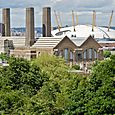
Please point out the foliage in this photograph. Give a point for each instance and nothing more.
(20, 76)
(77, 67)
(107, 53)
(53, 66)
(45, 87)
(73, 94)
(4, 57)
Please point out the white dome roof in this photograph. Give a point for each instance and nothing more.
(85, 31)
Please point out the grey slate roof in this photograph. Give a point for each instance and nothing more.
(47, 42)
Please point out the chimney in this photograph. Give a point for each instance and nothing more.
(6, 21)
(2, 29)
(29, 27)
(46, 24)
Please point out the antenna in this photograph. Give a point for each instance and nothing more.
(110, 21)
(57, 20)
(73, 21)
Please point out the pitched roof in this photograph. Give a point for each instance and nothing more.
(47, 42)
(66, 37)
(52, 42)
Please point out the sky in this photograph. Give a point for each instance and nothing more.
(83, 8)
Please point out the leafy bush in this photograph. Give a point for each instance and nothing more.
(77, 67)
(106, 53)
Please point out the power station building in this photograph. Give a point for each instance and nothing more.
(71, 48)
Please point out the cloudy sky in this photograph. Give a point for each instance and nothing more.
(83, 8)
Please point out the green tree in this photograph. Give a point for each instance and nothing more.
(18, 83)
(107, 53)
(22, 75)
(95, 95)
(45, 87)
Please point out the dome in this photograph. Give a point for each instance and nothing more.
(85, 31)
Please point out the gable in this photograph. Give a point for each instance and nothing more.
(65, 43)
(90, 43)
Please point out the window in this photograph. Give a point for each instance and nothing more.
(95, 54)
(71, 55)
(66, 54)
(79, 56)
(33, 54)
(85, 54)
(90, 53)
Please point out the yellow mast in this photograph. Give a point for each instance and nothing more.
(76, 19)
(95, 18)
(110, 21)
(60, 19)
(57, 20)
(73, 21)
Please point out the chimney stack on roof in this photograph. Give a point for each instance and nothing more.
(6, 22)
(46, 24)
(30, 38)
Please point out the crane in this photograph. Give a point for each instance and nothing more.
(57, 20)
(73, 21)
(110, 21)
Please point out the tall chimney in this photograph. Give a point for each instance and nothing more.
(46, 24)
(29, 27)
(6, 21)
(3, 29)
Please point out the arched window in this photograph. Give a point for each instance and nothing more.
(66, 54)
(90, 53)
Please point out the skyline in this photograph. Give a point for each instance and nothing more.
(64, 7)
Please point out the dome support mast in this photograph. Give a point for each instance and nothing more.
(57, 20)
(73, 21)
(60, 19)
(110, 21)
(94, 20)
(76, 19)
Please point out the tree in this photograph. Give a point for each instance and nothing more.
(106, 53)
(70, 94)
(45, 87)
(21, 75)
(102, 84)
(18, 83)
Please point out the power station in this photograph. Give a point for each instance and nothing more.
(75, 44)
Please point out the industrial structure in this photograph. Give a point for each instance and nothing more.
(76, 44)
